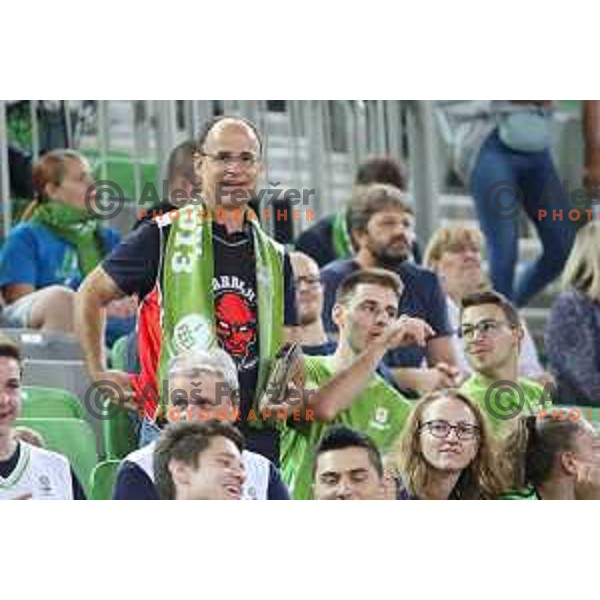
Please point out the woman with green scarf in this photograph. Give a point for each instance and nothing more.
(45, 258)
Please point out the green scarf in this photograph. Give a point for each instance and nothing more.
(342, 242)
(75, 226)
(188, 319)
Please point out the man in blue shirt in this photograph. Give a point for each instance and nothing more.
(382, 222)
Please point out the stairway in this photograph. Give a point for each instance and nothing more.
(289, 163)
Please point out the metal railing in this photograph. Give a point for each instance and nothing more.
(312, 144)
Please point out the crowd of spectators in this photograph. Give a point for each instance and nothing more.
(409, 381)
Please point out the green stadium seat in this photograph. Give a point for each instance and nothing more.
(41, 402)
(118, 354)
(102, 480)
(72, 437)
(118, 434)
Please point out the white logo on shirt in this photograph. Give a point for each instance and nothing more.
(380, 419)
(192, 333)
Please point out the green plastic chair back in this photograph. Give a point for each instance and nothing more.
(118, 433)
(103, 479)
(41, 402)
(72, 437)
(118, 354)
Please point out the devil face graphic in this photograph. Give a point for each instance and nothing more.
(236, 325)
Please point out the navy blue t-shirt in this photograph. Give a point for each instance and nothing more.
(317, 242)
(423, 297)
(135, 266)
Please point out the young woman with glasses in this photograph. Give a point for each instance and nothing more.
(445, 452)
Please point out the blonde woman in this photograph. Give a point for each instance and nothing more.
(572, 332)
(456, 255)
(446, 452)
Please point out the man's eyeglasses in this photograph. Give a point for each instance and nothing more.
(441, 429)
(226, 159)
(308, 280)
(486, 327)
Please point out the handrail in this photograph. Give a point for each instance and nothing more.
(320, 133)
(4, 174)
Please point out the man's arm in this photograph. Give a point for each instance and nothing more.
(130, 269)
(441, 373)
(440, 350)
(338, 393)
(422, 381)
(95, 293)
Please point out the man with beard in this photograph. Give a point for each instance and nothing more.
(220, 281)
(331, 237)
(383, 222)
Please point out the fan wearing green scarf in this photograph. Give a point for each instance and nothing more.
(218, 280)
(45, 258)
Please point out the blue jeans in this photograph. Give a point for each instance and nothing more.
(149, 432)
(534, 174)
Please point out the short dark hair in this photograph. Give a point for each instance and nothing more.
(208, 125)
(534, 446)
(10, 349)
(340, 438)
(382, 169)
(181, 162)
(374, 276)
(492, 297)
(368, 200)
(185, 441)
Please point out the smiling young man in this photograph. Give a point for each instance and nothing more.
(202, 386)
(27, 471)
(345, 388)
(492, 335)
(199, 461)
(220, 280)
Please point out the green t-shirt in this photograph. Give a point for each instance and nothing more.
(379, 412)
(529, 493)
(506, 401)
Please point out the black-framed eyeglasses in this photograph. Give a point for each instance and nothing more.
(441, 429)
(245, 159)
(485, 327)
